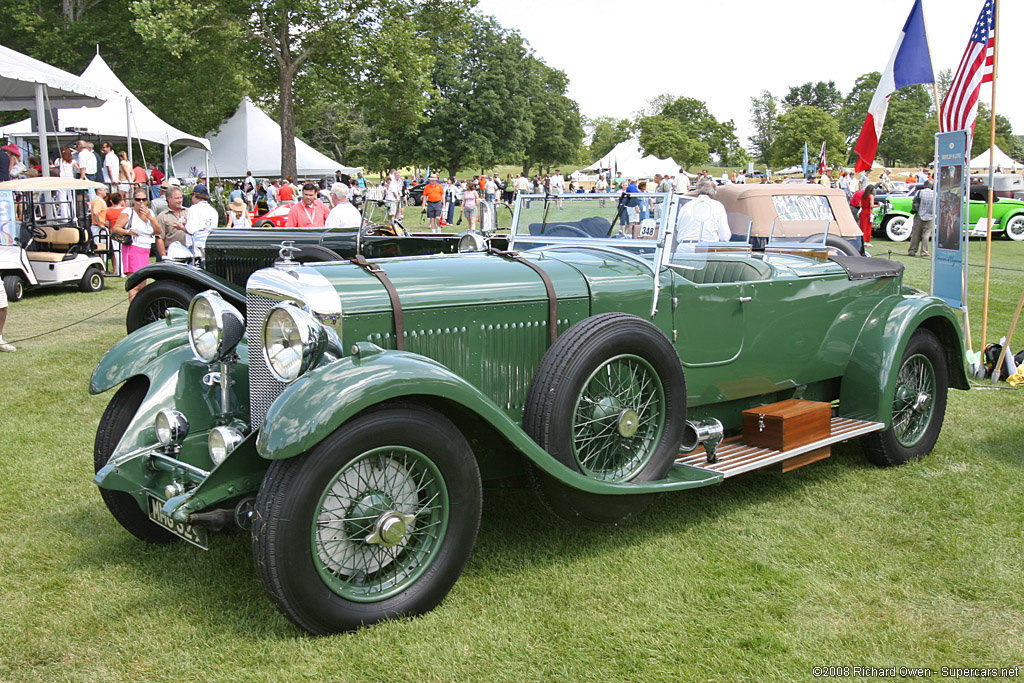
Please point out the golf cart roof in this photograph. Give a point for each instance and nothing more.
(53, 183)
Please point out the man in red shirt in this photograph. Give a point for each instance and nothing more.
(156, 176)
(433, 194)
(309, 212)
(285, 192)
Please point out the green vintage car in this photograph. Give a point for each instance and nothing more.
(348, 419)
(892, 216)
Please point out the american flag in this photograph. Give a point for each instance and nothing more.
(960, 106)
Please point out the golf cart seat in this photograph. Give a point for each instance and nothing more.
(57, 243)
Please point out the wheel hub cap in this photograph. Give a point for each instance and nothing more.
(390, 528)
(629, 422)
(921, 402)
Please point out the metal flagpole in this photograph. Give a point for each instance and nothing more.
(991, 172)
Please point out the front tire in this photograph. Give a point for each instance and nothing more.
(153, 301)
(15, 287)
(113, 424)
(919, 404)
(92, 281)
(896, 228)
(608, 401)
(376, 521)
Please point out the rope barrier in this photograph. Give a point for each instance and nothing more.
(59, 329)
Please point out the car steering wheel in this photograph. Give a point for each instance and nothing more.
(36, 232)
(563, 230)
(383, 229)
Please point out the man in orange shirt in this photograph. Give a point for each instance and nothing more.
(310, 212)
(433, 196)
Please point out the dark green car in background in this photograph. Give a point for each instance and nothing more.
(348, 419)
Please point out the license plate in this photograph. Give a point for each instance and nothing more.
(196, 535)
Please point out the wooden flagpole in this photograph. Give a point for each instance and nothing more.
(991, 171)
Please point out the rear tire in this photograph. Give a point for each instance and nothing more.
(15, 287)
(919, 404)
(265, 224)
(113, 424)
(153, 300)
(1015, 228)
(92, 281)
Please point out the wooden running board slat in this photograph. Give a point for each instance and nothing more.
(735, 457)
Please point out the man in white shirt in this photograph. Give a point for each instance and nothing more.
(558, 186)
(111, 166)
(343, 215)
(201, 218)
(393, 194)
(704, 219)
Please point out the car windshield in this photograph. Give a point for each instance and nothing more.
(632, 222)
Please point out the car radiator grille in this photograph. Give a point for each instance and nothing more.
(263, 388)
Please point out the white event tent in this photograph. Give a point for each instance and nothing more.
(1002, 159)
(27, 83)
(121, 116)
(251, 141)
(628, 161)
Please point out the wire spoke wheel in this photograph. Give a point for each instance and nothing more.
(915, 400)
(618, 418)
(379, 523)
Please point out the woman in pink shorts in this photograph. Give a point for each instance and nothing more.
(140, 223)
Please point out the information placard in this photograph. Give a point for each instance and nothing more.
(949, 252)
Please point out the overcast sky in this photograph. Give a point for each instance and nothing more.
(620, 54)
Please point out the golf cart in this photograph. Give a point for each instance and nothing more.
(44, 236)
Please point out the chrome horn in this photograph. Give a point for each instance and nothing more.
(708, 432)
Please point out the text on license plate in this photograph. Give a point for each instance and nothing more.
(196, 535)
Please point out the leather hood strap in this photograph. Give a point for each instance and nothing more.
(396, 303)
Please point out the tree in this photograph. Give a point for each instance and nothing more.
(665, 136)
(607, 132)
(1005, 139)
(810, 125)
(698, 124)
(476, 113)
(556, 126)
(764, 114)
(824, 96)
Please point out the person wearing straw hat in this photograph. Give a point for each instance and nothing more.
(238, 214)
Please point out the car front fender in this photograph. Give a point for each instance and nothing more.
(869, 383)
(129, 356)
(317, 404)
(198, 278)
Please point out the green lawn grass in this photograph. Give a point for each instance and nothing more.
(759, 579)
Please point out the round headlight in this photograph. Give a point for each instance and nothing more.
(471, 242)
(171, 427)
(293, 341)
(214, 326)
(222, 441)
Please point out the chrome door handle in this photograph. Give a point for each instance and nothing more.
(745, 299)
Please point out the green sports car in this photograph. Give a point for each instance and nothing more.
(892, 216)
(348, 419)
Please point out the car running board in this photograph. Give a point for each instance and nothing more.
(735, 457)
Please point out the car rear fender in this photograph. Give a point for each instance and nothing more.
(317, 404)
(197, 278)
(869, 383)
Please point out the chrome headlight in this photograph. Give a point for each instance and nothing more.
(222, 441)
(293, 341)
(214, 327)
(171, 427)
(471, 242)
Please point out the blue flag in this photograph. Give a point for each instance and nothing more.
(805, 160)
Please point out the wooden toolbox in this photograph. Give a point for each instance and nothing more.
(786, 424)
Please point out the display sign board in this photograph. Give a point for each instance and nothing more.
(949, 243)
(8, 222)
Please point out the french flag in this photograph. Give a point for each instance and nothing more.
(910, 63)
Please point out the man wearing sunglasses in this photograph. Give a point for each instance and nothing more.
(140, 225)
